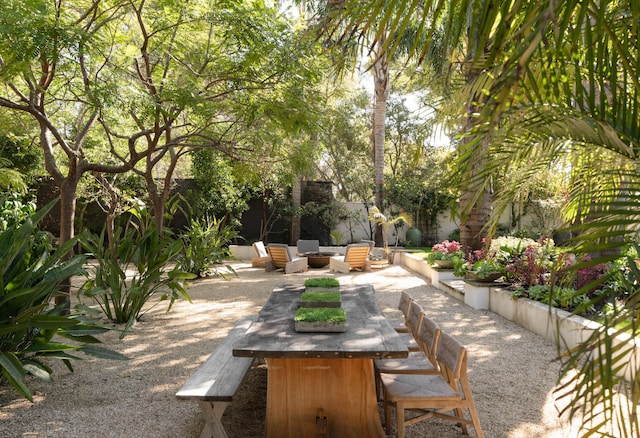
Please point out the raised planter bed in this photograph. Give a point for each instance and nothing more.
(312, 299)
(323, 320)
(321, 284)
(534, 316)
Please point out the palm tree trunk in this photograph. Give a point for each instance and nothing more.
(381, 89)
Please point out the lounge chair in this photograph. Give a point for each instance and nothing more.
(262, 256)
(305, 246)
(355, 257)
(281, 258)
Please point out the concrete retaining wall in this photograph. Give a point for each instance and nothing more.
(548, 322)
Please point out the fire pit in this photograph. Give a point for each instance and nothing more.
(318, 259)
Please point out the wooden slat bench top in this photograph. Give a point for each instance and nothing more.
(216, 381)
(219, 377)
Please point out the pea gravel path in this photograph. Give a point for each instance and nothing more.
(512, 371)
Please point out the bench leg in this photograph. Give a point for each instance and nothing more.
(212, 412)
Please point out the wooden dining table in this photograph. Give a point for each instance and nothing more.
(321, 384)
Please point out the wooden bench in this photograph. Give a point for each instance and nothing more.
(215, 383)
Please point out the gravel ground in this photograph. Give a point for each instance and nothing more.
(512, 371)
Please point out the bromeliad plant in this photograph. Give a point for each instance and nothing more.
(31, 274)
(138, 267)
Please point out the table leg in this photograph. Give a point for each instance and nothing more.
(303, 393)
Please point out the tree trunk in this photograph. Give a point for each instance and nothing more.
(475, 199)
(381, 88)
(157, 201)
(472, 224)
(296, 200)
(67, 223)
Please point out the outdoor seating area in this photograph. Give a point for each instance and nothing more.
(340, 389)
(309, 254)
(470, 185)
(497, 351)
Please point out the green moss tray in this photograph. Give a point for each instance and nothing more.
(323, 320)
(320, 299)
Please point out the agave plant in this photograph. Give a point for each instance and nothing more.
(30, 276)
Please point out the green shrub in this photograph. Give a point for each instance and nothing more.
(321, 282)
(204, 244)
(31, 275)
(561, 297)
(140, 250)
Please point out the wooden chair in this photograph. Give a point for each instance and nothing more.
(355, 257)
(400, 324)
(418, 362)
(414, 321)
(261, 255)
(444, 395)
(282, 259)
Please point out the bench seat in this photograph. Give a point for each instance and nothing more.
(216, 381)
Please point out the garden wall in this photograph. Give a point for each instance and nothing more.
(359, 230)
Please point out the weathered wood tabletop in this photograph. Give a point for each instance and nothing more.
(368, 334)
(321, 384)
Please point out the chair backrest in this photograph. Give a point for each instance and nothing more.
(371, 243)
(357, 255)
(279, 253)
(429, 337)
(416, 312)
(405, 304)
(308, 246)
(452, 358)
(259, 249)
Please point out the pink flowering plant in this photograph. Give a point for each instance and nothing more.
(447, 250)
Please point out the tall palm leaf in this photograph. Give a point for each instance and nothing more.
(560, 83)
(567, 100)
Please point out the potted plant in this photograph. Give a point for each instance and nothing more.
(445, 254)
(485, 271)
(320, 319)
(320, 299)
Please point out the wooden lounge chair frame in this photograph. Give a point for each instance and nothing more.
(356, 256)
(261, 255)
(282, 259)
(444, 395)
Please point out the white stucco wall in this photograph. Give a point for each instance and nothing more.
(360, 231)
